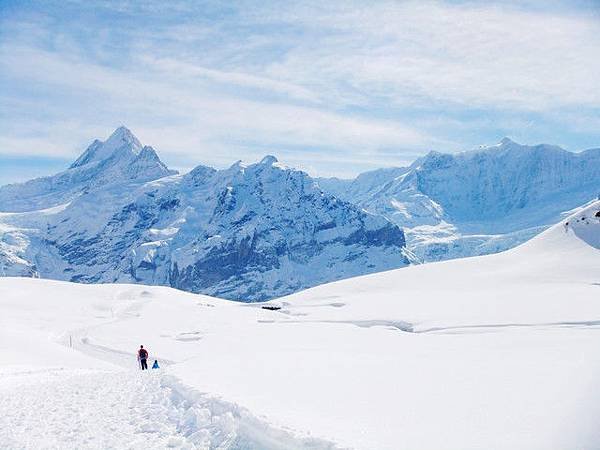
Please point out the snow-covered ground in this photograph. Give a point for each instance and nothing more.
(490, 352)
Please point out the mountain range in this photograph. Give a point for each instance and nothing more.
(477, 202)
(118, 214)
(259, 231)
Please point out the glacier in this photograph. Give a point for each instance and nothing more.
(476, 202)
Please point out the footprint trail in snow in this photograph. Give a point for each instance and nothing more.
(89, 410)
(125, 410)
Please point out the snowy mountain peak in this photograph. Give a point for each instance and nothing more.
(237, 166)
(122, 155)
(268, 160)
(122, 140)
(506, 141)
(148, 152)
(147, 165)
(119, 159)
(123, 135)
(479, 201)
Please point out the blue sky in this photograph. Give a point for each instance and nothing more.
(334, 88)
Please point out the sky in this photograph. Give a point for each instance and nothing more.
(333, 88)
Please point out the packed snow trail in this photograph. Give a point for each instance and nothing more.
(125, 409)
(81, 409)
(111, 404)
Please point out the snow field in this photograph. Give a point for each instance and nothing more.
(497, 352)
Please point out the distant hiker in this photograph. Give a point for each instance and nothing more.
(566, 226)
(155, 365)
(143, 357)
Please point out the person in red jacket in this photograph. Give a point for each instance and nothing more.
(143, 357)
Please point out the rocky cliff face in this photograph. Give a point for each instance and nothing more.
(246, 233)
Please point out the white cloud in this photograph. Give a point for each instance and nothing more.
(193, 120)
(331, 86)
(480, 55)
(181, 69)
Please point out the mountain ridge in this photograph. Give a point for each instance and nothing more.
(479, 201)
(248, 232)
(256, 231)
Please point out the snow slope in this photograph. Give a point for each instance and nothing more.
(490, 352)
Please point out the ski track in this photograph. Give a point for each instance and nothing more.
(592, 324)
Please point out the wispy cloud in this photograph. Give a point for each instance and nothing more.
(463, 54)
(182, 114)
(336, 87)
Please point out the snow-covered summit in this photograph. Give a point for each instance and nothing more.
(248, 232)
(119, 159)
(507, 148)
(498, 181)
(122, 139)
(269, 160)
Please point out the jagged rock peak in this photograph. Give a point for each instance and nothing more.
(236, 166)
(148, 152)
